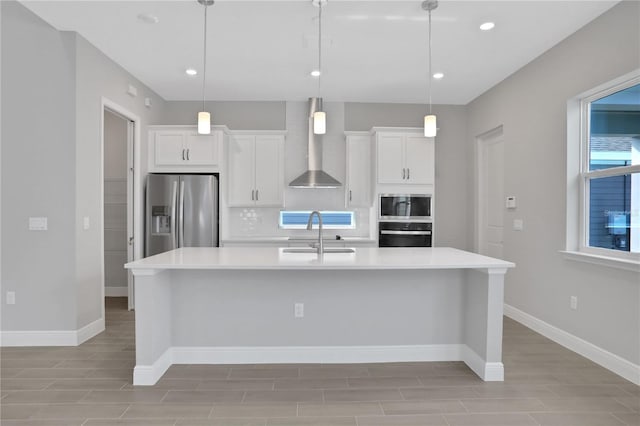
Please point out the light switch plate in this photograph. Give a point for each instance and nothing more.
(511, 202)
(86, 223)
(518, 225)
(38, 224)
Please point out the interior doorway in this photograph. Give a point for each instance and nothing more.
(490, 206)
(120, 135)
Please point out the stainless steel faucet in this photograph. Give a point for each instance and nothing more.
(310, 225)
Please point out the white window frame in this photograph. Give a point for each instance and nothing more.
(579, 176)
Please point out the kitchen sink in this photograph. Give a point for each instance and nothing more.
(312, 250)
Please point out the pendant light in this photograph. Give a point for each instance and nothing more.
(204, 118)
(430, 127)
(319, 117)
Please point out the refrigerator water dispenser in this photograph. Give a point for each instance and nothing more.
(160, 220)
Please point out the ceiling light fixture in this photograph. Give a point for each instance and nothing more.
(191, 71)
(204, 118)
(430, 127)
(148, 18)
(487, 26)
(438, 75)
(319, 117)
(315, 73)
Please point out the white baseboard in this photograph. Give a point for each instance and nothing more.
(606, 359)
(116, 292)
(487, 371)
(314, 354)
(146, 375)
(90, 330)
(52, 337)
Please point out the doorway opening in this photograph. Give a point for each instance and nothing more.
(120, 140)
(490, 201)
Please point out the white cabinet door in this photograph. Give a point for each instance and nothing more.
(169, 148)
(391, 159)
(202, 149)
(269, 170)
(419, 160)
(241, 171)
(358, 190)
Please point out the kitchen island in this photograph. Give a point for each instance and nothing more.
(235, 305)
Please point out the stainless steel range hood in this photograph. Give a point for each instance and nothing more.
(314, 177)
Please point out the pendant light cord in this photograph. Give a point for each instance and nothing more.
(319, 44)
(429, 76)
(204, 73)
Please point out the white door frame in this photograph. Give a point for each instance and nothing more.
(479, 206)
(134, 203)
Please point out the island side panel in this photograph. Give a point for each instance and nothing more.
(483, 308)
(350, 308)
(153, 325)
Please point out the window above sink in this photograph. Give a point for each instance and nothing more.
(297, 219)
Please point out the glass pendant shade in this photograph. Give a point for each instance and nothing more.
(204, 123)
(430, 128)
(319, 123)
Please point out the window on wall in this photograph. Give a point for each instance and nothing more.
(610, 171)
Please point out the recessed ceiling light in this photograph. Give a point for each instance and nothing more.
(148, 18)
(438, 75)
(487, 26)
(315, 73)
(191, 71)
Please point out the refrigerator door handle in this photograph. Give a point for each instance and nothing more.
(181, 215)
(174, 213)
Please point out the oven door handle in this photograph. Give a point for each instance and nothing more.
(384, 232)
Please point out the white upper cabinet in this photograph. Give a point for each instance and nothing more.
(182, 149)
(404, 157)
(255, 169)
(358, 185)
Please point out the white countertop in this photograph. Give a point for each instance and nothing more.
(264, 258)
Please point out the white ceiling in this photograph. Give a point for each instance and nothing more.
(373, 51)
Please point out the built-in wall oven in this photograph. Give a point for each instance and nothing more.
(405, 220)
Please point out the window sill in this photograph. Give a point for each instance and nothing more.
(611, 262)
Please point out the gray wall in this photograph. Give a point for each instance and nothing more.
(235, 115)
(52, 88)
(96, 77)
(38, 172)
(532, 107)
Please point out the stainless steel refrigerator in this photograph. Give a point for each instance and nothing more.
(181, 211)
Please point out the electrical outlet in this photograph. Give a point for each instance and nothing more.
(11, 298)
(574, 302)
(298, 310)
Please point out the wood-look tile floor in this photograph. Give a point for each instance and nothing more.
(545, 384)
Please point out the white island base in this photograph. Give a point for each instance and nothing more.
(236, 305)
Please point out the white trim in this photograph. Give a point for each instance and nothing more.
(134, 215)
(148, 375)
(90, 330)
(487, 371)
(52, 337)
(116, 291)
(606, 359)
(595, 259)
(315, 354)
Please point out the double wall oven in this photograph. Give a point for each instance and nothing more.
(404, 220)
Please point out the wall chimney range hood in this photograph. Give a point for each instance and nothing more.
(314, 177)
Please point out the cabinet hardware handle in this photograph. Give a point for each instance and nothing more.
(257, 195)
(188, 159)
(253, 192)
(404, 173)
(408, 172)
(350, 195)
(183, 154)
